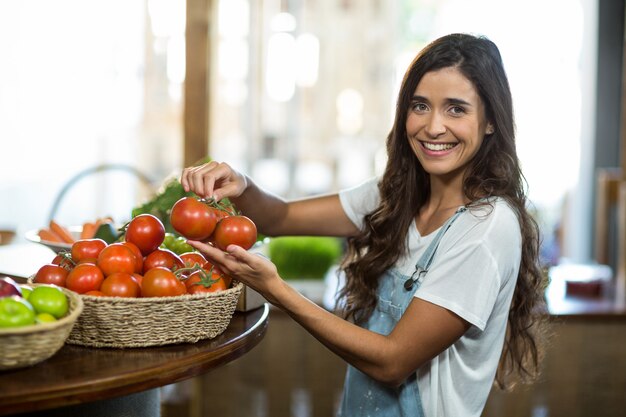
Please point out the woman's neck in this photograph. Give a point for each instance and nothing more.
(445, 198)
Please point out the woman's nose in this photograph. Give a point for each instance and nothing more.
(435, 126)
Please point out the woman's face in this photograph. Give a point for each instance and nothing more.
(446, 122)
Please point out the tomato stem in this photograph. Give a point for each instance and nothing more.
(206, 279)
(222, 205)
(122, 230)
(67, 256)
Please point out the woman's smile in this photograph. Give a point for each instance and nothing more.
(438, 148)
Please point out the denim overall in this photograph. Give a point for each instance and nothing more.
(363, 396)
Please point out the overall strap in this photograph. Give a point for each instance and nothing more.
(422, 265)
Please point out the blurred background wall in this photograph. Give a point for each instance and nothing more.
(301, 96)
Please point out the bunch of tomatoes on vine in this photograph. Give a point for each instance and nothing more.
(137, 266)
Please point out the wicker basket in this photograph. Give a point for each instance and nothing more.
(140, 322)
(28, 345)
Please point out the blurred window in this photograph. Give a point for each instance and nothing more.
(303, 94)
(86, 84)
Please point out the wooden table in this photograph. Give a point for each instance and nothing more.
(119, 382)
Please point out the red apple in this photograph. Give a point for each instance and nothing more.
(9, 287)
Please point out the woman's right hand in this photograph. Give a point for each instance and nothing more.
(213, 180)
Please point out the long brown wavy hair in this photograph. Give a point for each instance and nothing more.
(494, 172)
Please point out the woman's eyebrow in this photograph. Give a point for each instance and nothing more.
(419, 98)
(450, 100)
(459, 101)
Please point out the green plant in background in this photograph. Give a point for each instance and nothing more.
(304, 257)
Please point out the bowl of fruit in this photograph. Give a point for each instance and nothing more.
(35, 321)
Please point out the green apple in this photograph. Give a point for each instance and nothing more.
(16, 312)
(26, 290)
(49, 299)
(45, 318)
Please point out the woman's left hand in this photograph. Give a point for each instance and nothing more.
(253, 270)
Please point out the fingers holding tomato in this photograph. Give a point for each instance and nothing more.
(213, 180)
(212, 221)
(197, 219)
(193, 179)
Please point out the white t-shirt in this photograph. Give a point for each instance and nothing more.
(473, 274)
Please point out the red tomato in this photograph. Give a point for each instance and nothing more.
(146, 231)
(205, 281)
(120, 284)
(194, 258)
(89, 261)
(161, 282)
(87, 249)
(138, 279)
(95, 293)
(51, 274)
(162, 257)
(235, 230)
(138, 256)
(116, 258)
(64, 259)
(84, 277)
(193, 219)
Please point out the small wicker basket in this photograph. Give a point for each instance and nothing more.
(28, 345)
(118, 322)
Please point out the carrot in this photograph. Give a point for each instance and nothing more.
(49, 236)
(62, 232)
(89, 230)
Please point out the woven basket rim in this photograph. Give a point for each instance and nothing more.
(201, 295)
(44, 327)
(167, 299)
